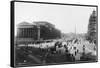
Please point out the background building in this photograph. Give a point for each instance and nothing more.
(27, 30)
(47, 30)
(36, 31)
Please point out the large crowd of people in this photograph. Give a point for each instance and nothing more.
(74, 50)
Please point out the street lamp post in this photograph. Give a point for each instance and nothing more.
(38, 32)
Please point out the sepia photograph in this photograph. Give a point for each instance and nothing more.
(51, 33)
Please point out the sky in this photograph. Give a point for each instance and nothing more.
(66, 18)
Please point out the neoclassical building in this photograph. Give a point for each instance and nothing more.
(38, 30)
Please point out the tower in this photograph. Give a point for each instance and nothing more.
(92, 27)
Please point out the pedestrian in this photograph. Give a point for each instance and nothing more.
(83, 49)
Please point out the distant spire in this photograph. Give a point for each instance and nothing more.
(75, 28)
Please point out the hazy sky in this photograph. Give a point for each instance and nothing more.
(64, 17)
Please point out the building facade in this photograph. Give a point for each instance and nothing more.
(39, 30)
